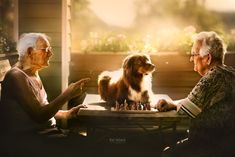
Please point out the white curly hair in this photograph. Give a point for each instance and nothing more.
(28, 40)
(211, 43)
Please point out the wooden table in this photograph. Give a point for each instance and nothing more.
(96, 116)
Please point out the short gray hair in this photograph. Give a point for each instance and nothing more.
(28, 40)
(211, 43)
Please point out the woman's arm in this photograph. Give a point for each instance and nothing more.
(23, 93)
(68, 114)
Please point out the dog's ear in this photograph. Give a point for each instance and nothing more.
(127, 66)
(125, 62)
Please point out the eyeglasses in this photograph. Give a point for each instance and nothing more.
(47, 49)
(193, 54)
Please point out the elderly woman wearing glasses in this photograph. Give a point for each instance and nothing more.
(211, 103)
(24, 107)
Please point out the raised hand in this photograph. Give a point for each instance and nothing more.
(75, 89)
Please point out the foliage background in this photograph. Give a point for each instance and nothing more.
(149, 33)
(7, 43)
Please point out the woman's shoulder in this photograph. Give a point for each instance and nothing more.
(228, 69)
(15, 73)
(216, 75)
(220, 76)
(224, 71)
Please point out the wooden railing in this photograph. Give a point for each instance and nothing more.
(174, 73)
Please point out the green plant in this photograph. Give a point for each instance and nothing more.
(180, 41)
(104, 43)
(6, 45)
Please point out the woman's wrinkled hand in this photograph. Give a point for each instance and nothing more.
(72, 113)
(163, 106)
(76, 89)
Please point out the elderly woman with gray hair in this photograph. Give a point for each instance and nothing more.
(211, 103)
(24, 108)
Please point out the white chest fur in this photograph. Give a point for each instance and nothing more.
(133, 95)
(145, 84)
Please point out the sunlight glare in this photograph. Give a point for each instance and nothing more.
(119, 13)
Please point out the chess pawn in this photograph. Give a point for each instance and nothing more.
(121, 107)
(144, 107)
(134, 106)
(148, 106)
(126, 106)
(117, 106)
(139, 106)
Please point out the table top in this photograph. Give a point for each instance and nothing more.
(97, 109)
(94, 101)
(95, 98)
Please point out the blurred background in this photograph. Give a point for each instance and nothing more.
(153, 26)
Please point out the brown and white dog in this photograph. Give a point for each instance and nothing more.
(131, 83)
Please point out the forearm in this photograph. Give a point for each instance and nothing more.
(73, 90)
(52, 109)
(61, 114)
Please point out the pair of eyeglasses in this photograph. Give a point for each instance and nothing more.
(47, 49)
(194, 54)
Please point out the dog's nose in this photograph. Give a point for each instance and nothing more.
(151, 65)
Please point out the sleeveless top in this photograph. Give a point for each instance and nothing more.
(14, 117)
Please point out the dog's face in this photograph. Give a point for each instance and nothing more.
(138, 64)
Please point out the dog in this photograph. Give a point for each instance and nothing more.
(131, 83)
